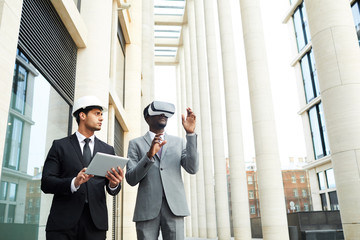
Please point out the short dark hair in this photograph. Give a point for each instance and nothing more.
(146, 112)
(86, 111)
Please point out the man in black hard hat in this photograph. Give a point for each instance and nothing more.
(79, 209)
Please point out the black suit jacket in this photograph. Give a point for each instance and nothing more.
(63, 163)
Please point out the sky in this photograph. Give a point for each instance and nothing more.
(282, 77)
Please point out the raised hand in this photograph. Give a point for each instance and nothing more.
(189, 122)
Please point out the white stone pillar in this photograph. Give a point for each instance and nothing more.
(337, 58)
(188, 102)
(92, 71)
(92, 67)
(182, 87)
(147, 63)
(239, 195)
(133, 108)
(199, 177)
(10, 14)
(272, 199)
(208, 157)
(206, 114)
(233, 118)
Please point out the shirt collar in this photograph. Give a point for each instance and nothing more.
(152, 135)
(81, 137)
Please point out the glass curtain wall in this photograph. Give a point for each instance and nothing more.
(37, 116)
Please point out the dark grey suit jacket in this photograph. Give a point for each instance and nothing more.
(63, 163)
(162, 177)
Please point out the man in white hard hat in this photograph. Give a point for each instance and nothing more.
(79, 209)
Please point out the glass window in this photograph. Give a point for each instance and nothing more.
(37, 116)
(306, 207)
(120, 65)
(11, 214)
(252, 209)
(323, 201)
(297, 207)
(18, 96)
(13, 141)
(323, 130)
(301, 27)
(302, 179)
(309, 74)
(318, 131)
(355, 8)
(250, 180)
(293, 179)
(330, 178)
(12, 192)
(321, 179)
(295, 191)
(251, 194)
(2, 212)
(334, 204)
(3, 190)
(304, 193)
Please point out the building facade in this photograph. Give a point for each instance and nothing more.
(53, 52)
(315, 73)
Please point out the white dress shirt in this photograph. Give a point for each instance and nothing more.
(81, 139)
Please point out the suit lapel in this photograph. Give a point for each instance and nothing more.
(97, 147)
(75, 143)
(147, 138)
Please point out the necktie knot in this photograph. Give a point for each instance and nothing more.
(87, 140)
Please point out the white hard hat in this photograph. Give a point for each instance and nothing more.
(87, 101)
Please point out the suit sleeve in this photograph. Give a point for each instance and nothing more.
(117, 190)
(52, 180)
(138, 164)
(189, 157)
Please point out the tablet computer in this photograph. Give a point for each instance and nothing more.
(103, 162)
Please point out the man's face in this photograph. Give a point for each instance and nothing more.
(93, 119)
(157, 121)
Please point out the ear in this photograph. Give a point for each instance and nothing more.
(82, 115)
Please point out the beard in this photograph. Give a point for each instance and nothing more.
(161, 125)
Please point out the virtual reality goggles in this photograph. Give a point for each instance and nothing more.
(158, 108)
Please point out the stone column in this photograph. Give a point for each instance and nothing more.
(188, 102)
(239, 197)
(337, 58)
(200, 194)
(206, 115)
(271, 190)
(147, 63)
(10, 14)
(92, 71)
(233, 118)
(133, 108)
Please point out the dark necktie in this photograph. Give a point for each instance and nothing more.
(87, 152)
